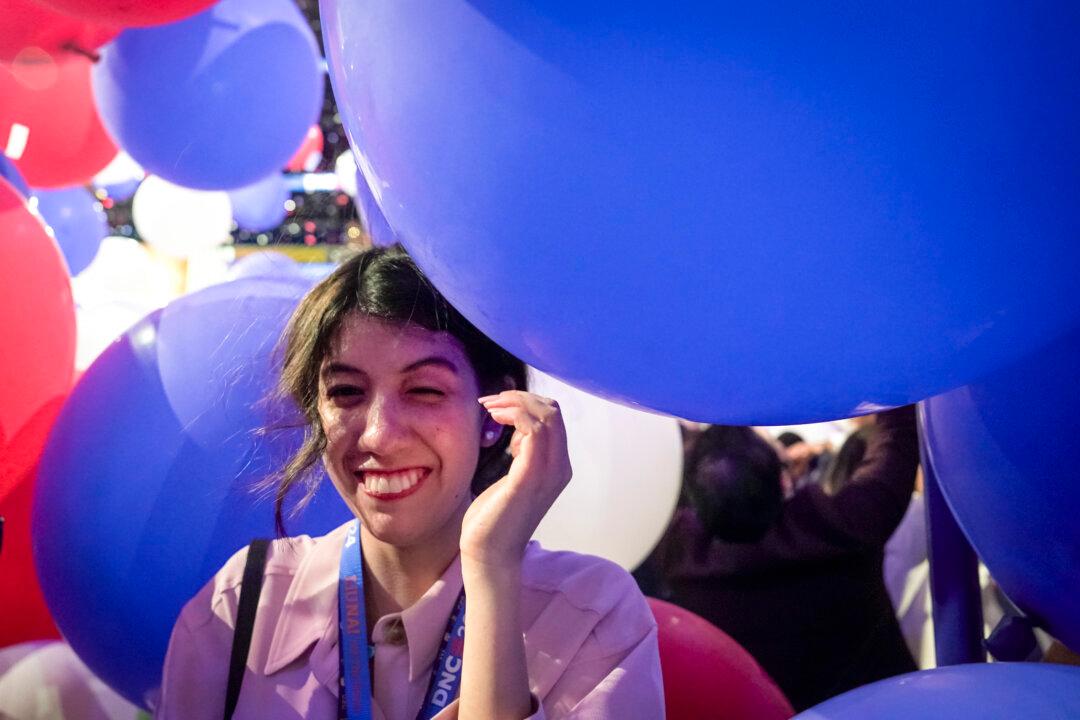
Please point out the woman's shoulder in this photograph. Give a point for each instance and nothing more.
(285, 559)
(586, 585)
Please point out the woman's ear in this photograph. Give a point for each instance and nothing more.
(491, 431)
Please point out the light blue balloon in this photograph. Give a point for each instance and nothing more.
(215, 101)
(998, 691)
(261, 205)
(753, 213)
(371, 215)
(1005, 451)
(78, 223)
(146, 485)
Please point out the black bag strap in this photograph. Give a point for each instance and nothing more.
(250, 589)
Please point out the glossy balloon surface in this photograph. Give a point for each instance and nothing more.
(627, 477)
(261, 205)
(756, 213)
(216, 101)
(49, 124)
(125, 13)
(145, 488)
(37, 336)
(29, 31)
(996, 691)
(708, 674)
(77, 222)
(1006, 454)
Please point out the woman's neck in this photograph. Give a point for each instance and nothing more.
(396, 577)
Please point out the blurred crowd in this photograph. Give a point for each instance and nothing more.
(812, 554)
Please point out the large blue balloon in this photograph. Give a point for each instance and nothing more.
(371, 215)
(744, 212)
(1006, 453)
(78, 223)
(998, 691)
(261, 205)
(145, 486)
(218, 100)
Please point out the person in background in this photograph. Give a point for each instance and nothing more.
(797, 582)
(804, 462)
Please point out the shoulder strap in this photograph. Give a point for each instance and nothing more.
(250, 589)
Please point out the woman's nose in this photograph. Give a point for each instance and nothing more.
(384, 427)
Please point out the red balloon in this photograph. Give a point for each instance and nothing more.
(27, 29)
(37, 336)
(130, 14)
(307, 156)
(709, 675)
(23, 613)
(49, 122)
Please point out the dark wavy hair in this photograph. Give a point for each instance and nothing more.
(732, 480)
(382, 283)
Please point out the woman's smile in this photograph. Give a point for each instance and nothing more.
(391, 484)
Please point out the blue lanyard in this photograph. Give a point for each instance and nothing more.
(355, 699)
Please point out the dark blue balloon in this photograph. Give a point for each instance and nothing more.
(762, 212)
(11, 173)
(145, 487)
(78, 223)
(998, 691)
(218, 100)
(261, 205)
(1006, 451)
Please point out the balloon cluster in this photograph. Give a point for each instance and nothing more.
(183, 87)
(759, 216)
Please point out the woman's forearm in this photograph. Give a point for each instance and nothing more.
(495, 680)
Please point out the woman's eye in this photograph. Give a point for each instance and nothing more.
(428, 392)
(343, 391)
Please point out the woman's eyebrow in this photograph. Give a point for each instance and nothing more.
(433, 360)
(335, 367)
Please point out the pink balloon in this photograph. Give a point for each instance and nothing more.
(126, 13)
(707, 674)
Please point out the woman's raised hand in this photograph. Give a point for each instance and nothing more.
(501, 520)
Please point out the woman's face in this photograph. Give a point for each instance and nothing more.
(398, 405)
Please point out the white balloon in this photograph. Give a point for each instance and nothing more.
(627, 476)
(51, 683)
(180, 221)
(121, 285)
(345, 170)
(121, 169)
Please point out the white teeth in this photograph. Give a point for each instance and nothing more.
(390, 484)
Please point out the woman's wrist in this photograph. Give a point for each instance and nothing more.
(490, 577)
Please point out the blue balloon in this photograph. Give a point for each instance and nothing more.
(145, 486)
(10, 172)
(261, 205)
(754, 213)
(218, 100)
(998, 691)
(265, 264)
(371, 215)
(78, 223)
(1006, 454)
(121, 191)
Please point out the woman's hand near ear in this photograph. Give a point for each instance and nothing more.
(494, 533)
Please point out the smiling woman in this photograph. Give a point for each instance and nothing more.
(426, 430)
